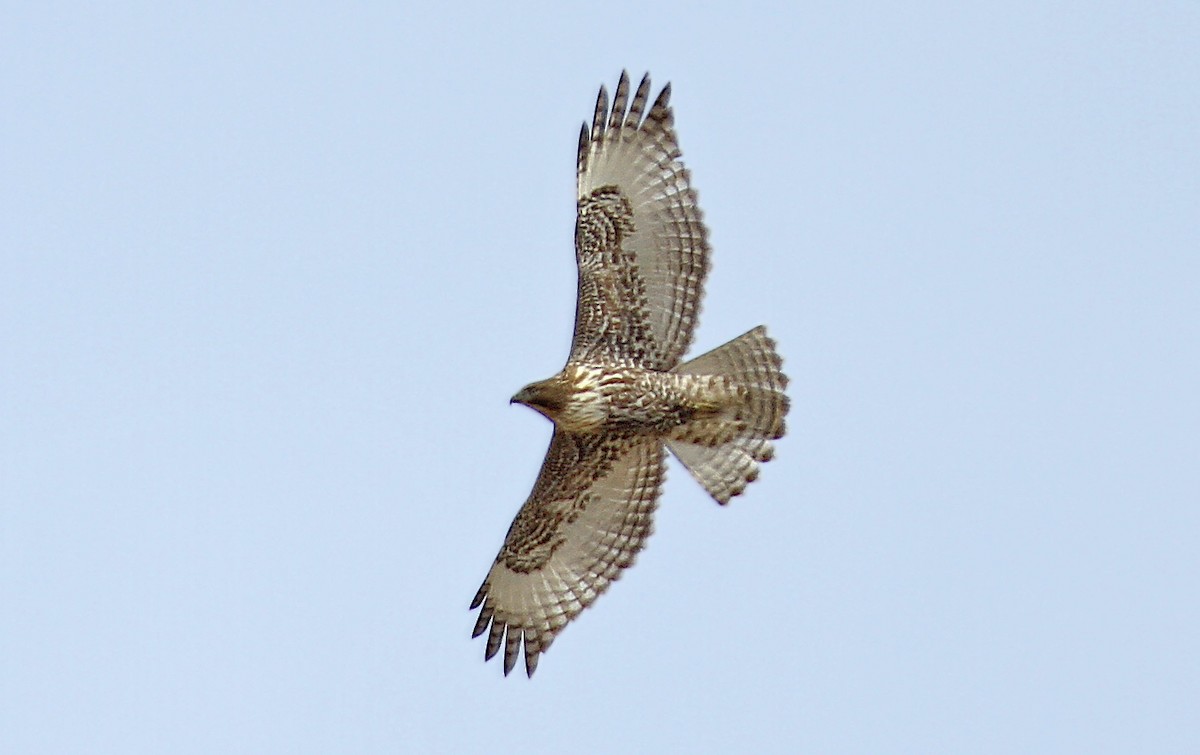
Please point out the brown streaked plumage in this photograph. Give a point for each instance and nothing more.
(623, 397)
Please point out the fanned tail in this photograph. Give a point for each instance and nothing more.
(724, 454)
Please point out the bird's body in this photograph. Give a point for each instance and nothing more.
(625, 396)
(592, 398)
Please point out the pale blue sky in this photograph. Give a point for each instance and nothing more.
(269, 275)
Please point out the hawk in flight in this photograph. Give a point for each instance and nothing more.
(625, 396)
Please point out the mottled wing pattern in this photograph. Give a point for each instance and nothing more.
(589, 514)
(640, 242)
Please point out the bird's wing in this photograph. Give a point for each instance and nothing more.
(589, 514)
(640, 241)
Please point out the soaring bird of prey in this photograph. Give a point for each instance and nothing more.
(624, 396)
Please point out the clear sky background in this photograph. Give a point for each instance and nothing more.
(269, 275)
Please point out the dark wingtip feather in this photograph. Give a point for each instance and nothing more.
(480, 595)
(494, 639)
(485, 617)
(660, 111)
(634, 118)
(620, 99)
(512, 645)
(598, 117)
(581, 160)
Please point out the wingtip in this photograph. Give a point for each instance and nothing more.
(661, 109)
(599, 120)
(480, 594)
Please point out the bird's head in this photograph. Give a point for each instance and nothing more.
(549, 397)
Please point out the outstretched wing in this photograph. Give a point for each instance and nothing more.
(640, 242)
(589, 514)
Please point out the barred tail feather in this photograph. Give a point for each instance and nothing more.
(724, 465)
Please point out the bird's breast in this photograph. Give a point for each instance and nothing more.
(589, 403)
